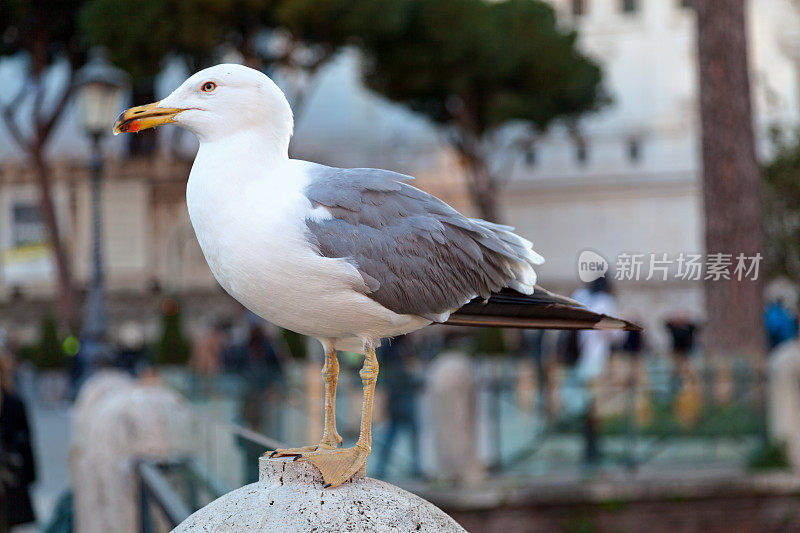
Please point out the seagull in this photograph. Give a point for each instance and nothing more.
(348, 256)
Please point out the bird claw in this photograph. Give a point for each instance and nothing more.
(288, 452)
(329, 443)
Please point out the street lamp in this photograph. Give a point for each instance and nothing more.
(100, 88)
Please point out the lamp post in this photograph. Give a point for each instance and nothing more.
(100, 89)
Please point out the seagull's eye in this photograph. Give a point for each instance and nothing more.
(208, 86)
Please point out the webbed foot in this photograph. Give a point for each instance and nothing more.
(337, 465)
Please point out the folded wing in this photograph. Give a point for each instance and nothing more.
(417, 255)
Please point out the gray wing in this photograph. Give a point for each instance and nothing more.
(417, 255)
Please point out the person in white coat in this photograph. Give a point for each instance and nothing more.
(594, 350)
(595, 346)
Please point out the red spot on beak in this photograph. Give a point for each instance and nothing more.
(134, 125)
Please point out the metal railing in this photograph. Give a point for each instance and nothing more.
(170, 490)
(710, 415)
(156, 491)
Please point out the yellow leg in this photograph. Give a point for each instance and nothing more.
(337, 466)
(330, 375)
(330, 437)
(369, 377)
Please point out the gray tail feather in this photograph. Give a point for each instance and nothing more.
(541, 310)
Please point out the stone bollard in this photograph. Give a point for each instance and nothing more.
(784, 398)
(289, 497)
(452, 386)
(117, 421)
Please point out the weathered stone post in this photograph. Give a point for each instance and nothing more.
(454, 397)
(116, 421)
(289, 497)
(784, 398)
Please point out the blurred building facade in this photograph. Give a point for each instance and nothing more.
(630, 181)
(627, 179)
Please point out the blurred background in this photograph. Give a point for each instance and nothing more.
(655, 141)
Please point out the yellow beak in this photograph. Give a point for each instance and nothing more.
(144, 117)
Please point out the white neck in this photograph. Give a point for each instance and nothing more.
(265, 146)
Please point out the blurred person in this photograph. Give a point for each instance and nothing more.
(263, 361)
(531, 346)
(234, 355)
(401, 399)
(593, 349)
(634, 345)
(688, 401)
(260, 406)
(779, 322)
(17, 468)
(683, 334)
(206, 358)
(594, 346)
(131, 354)
(542, 347)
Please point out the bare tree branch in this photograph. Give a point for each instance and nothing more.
(13, 129)
(8, 113)
(38, 97)
(58, 109)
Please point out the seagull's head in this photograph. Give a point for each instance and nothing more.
(215, 103)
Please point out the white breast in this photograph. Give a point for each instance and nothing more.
(250, 222)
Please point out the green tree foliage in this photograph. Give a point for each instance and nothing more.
(476, 65)
(782, 208)
(141, 34)
(470, 65)
(42, 28)
(49, 353)
(173, 348)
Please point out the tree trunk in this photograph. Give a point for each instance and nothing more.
(66, 292)
(731, 180)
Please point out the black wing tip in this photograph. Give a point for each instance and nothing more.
(610, 322)
(541, 310)
(589, 321)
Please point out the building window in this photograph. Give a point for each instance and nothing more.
(27, 224)
(579, 7)
(629, 6)
(634, 150)
(581, 151)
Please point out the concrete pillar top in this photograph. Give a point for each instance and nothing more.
(285, 471)
(289, 497)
